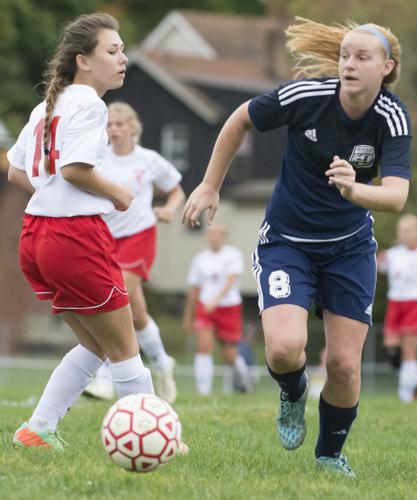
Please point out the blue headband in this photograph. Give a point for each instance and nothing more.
(378, 33)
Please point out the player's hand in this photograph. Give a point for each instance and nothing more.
(342, 175)
(164, 214)
(122, 198)
(201, 199)
(210, 306)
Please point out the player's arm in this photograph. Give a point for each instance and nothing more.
(390, 196)
(167, 212)
(230, 282)
(84, 177)
(206, 195)
(189, 308)
(19, 177)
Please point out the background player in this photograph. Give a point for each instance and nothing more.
(400, 326)
(316, 240)
(213, 309)
(135, 233)
(66, 249)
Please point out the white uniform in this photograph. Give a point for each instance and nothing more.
(138, 170)
(400, 264)
(78, 135)
(209, 271)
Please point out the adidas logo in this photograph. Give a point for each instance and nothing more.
(342, 432)
(311, 134)
(368, 310)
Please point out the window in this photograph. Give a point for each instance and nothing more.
(175, 145)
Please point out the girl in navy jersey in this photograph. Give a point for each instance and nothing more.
(66, 249)
(316, 243)
(135, 233)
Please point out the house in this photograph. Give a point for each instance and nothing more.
(184, 79)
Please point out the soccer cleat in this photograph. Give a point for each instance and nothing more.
(166, 387)
(338, 465)
(100, 389)
(291, 421)
(25, 437)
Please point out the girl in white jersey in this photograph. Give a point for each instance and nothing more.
(135, 232)
(337, 127)
(400, 326)
(66, 249)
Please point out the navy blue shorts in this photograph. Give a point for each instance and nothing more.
(339, 276)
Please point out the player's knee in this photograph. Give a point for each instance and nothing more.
(282, 353)
(343, 371)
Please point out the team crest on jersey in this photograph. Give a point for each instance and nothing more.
(362, 156)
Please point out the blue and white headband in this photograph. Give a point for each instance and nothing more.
(378, 33)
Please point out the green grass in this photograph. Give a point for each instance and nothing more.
(234, 452)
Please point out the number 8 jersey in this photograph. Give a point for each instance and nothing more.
(77, 135)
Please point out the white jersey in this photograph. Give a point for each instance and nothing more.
(400, 264)
(209, 271)
(139, 170)
(78, 135)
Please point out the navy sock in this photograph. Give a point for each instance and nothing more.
(292, 384)
(335, 424)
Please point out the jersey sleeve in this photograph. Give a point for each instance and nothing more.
(167, 176)
(17, 153)
(85, 135)
(396, 157)
(194, 274)
(276, 108)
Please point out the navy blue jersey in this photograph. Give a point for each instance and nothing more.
(303, 205)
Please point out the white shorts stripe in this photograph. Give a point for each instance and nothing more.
(114, 289)
(257, 270)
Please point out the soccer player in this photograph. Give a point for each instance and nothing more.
(135, 233)
(400, 325)
(213, 309)
(344, 128)
(66, 249)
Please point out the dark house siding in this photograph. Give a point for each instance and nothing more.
(157, 107)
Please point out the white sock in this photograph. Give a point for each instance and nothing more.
(407, 381)
(65, 385)
(203, 372)
(242, 372)
(131, 377)
(104, 372)
(150, 343)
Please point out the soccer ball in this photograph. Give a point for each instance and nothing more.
(140, 432)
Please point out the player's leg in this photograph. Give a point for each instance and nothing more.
(407, 383)
(228, 327)
(240, 374)
(113, 331)
(65, 385)
(203, 360)
(338, 405)
(285, 332)
(150, 340)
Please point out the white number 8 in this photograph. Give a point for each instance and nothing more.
(279, 284)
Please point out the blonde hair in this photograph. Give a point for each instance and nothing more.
(316, 47)
(78, 37)
(131, 116)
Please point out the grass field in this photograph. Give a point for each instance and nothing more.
(234, 452)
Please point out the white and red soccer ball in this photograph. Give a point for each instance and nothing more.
(141, 432)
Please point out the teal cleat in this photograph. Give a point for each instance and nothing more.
(291, 421)
(337, 465)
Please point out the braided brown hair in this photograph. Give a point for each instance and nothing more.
(80, 36)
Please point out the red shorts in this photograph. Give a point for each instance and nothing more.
(71, 261)
(136, 253)
(401, 318)
(226, 322)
